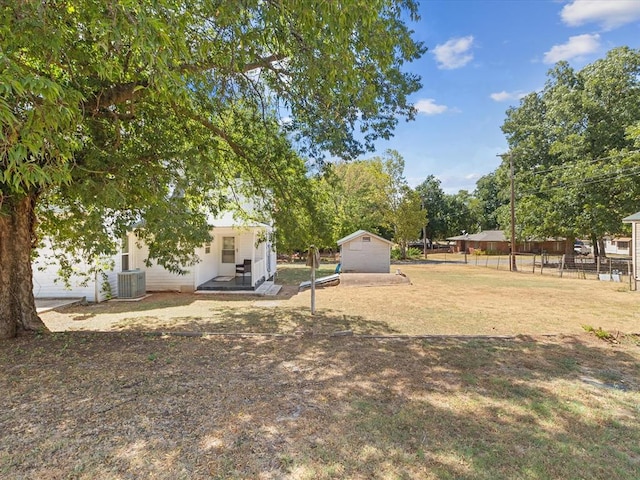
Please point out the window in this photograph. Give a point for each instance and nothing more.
(366, 239)
(228, 250)
(125, 253)
(207, 248)
(623, 245)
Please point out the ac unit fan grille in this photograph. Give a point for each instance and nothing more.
(131, 284)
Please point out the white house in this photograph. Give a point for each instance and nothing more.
(96, 286)
(617, 245)
(218, 268)
(232, 244)
(634, 220)
(364, 252)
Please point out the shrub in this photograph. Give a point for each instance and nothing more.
(599, 332)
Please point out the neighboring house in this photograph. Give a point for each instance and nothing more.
(634, 220)
(495, 242)
(489, 241)
(552, 246)
(617, 245)
(232, 244)
(364, 252)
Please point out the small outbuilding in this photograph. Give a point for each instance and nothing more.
(364, 252)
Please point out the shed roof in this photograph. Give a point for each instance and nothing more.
(486, 236)
(632, 218)
(361, 233)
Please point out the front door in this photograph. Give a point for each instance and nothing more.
(228, 256)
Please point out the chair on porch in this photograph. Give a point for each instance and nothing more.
(244, 268)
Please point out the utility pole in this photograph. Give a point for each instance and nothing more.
(512, 264)
(512, 204)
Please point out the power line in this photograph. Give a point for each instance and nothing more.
(625, 173)
(563, 166)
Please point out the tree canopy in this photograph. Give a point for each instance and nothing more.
(114, 112)
(575, 151)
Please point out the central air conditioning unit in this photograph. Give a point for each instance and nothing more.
(131, 284)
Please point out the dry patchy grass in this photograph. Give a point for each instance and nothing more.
(128, 405)
(442, 299)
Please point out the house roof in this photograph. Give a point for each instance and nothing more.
(360, 233)
(485, 236)
(632, 218)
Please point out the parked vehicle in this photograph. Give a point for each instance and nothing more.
(581, 248)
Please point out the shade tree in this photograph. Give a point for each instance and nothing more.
(570, 145)
(117, 112)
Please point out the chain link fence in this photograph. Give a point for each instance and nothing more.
(569, 266)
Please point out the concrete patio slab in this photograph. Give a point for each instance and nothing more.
(46, 304)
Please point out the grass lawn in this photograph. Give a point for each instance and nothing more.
(442, 300)
(127, 404)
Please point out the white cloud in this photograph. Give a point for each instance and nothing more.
(455, 53)
(576, 47)
(452, 183)
(505, 96)
(609, 14)
(428, 106)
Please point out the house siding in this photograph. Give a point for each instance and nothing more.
(208, 266)
(47, 284)
(244, 247)
(157, 278)
(365, 257)
(112, 281)
(488, 247)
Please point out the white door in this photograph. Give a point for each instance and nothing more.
(228, 256)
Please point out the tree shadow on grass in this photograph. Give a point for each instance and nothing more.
(160, 300)
(260, 320)
(317, 407)
(151, 302)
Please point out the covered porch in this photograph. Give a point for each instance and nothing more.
(240, 258)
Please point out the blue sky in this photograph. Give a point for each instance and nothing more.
(483, 56)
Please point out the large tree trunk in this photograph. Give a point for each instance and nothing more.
(17, 239)
(602, 251)
(569, 252)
